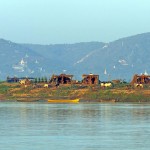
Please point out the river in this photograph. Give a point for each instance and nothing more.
(83, 126)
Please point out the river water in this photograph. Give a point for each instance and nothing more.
(93, 126)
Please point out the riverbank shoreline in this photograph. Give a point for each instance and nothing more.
(16, 92)
(81, 100)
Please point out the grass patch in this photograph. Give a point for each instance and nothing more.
(4, 89)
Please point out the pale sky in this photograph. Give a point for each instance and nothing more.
(71, 21)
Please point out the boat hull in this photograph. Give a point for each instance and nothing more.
(63, 100)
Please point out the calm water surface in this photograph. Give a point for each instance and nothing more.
(37, 126)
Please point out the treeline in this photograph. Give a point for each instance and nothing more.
(41, 80)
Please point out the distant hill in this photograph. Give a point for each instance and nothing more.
(62, 58)
(11, 55)
(121, 58)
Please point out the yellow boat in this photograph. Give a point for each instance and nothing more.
(63, 100)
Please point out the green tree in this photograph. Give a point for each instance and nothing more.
(45, 79)
(35, 80)
(42, 79)
(39, 79)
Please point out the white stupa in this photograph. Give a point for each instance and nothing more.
(105, 72)
(145, 73)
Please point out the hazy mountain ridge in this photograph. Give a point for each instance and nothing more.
(121, 58)
(125, 57)
(65, 52)
(11, 55)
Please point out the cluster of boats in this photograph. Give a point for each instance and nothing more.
(54, 100)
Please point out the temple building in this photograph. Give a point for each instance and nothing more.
(141, 79)
(90, 79)
(61, 79)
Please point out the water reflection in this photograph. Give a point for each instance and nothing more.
(74, 126)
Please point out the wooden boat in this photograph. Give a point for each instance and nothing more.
(63, 100)
(26, 100)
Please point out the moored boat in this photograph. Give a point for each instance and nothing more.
(27, 100)
(63, 100)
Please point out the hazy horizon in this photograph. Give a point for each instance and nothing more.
(70, 42)
(72, 21)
